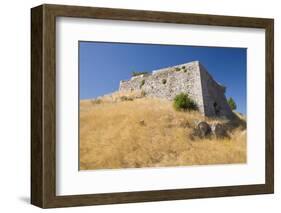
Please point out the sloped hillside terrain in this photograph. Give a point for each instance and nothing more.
(133, 131)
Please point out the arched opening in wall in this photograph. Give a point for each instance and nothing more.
(216, 108)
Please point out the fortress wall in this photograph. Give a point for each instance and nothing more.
(181, 78)
(215, 102)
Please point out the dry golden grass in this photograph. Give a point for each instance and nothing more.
(147, 132)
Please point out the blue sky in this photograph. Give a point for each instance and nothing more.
(102, 65)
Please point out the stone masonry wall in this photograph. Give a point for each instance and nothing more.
(169, 82)
(191, 78)
(214, 100)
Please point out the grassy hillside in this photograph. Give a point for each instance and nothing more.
(132, 132)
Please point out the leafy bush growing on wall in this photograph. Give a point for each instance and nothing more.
(183, 103)
(138, 73)
(143, 93)
(142, 83)
(164, 81)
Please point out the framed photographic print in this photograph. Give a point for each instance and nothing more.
(136, 106)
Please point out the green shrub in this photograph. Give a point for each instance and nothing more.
(125, 98)
(138, 73)
(142, 83)
(96, 101)
(183, 67)
(143, 93)
(183, 102)
(178, 69)
(164, 81)
(231, 103)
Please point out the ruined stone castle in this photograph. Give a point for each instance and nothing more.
(191, 78)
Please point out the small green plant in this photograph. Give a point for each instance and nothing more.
(231, 103)
(96, 101)
(183, 67)
(143, 93)
(125, 98)
(183, 103)
(138, 73)
(142, 83)
(164, 81)
(177, 69)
